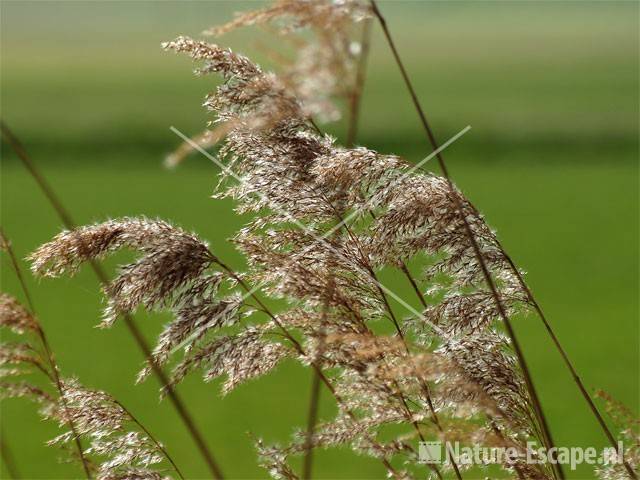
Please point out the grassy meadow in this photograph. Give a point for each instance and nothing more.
(549, 88)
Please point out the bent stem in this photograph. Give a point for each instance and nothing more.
(48, 352)
(312, 418)
(7, 458)
(392, 317)
(537, 406)
(297, 346)
(312, 415)
(565, 358)
(576, 378)
(354, 118)
(68, 222)
(314, 398)
(153, 439)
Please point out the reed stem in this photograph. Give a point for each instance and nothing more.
(152, 438)
(565, 358)
(537, 406)
(68, 222)
(425, 388)
(297, 346)
(48, 352)
(314, 397)
(8, 459)
(312, 418)
(529, 293)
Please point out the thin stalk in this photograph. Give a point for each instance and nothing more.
(394, 321)
(252, 294)
(423, 384)
(48, 352)
(54, 367)
(567, 362)
(408, 413)
(414, 284)
(312, 418)
(153, 439)
(68, 222)
(497, 431)
(537, 406)
(297, 346)
(399, 394)
(416, 289)
(355, 96)
(516, 271)
(7, 458)
(295, 343)
(314, 397)
(392, 317)
(425, 388)
(389, 467)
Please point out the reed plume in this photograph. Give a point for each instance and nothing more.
(175, 273)
(491, 282)
(326, 64)
(66, 219)
(119, 447)
(302, 183)
(326, 222)
(628, 426)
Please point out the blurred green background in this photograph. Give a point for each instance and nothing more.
(550, 89)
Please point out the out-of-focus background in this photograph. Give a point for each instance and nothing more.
(550, 89)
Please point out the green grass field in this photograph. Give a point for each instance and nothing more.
(550, 89)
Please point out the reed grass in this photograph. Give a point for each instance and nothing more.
(326, 221)
(88, 414)
(102, 277)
